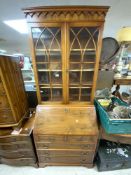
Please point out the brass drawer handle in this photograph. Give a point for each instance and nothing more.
(47, 158)
(84, 153)
(45, 146)
(86, 146)
(46, 154)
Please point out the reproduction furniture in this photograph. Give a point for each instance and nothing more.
(18, 148)
(66, 135)
(65, 46)
(13, 101)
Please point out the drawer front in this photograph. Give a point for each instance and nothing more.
(15, 139)
(15, 146)
(17, 154)
(4, 101)
(64, 159)
(42, 145)
(54, 139)
(6, 117)
(57, 153)
(18, 162)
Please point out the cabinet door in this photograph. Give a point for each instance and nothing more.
(48, 61)
(83, 61)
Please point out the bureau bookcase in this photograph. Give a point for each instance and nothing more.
(65, 46)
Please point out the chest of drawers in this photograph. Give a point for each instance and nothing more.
(18, 150)
(65, 135)
(13, 101)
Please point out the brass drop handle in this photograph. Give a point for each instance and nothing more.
(84, 153)
(47, 154)
(45, 146)
(83, 160)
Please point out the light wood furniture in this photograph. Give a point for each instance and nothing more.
(13, 102)
(66, 135)
(122, 81)
(18, 149)
(65, 46)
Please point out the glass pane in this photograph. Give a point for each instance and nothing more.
(57, 94)
(47, 43)
(83, 45)
(89, 56)
(45, 94)
(73, 94)
(87, 77)
(75, 66)
(56, 78)
(75, 55)
(43, 77)
(85, 94)
(74, 78)
(88, 67)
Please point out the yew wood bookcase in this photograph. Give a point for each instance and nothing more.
(65, 46)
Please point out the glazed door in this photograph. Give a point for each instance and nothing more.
(47, 46)
(83, 61)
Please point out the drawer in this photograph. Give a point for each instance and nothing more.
(6, 116)
(57, 153)
(15, 139)
(4, 101)
(46, 145)
(64, 159)
(15, 146)
(52, 139)
(17, 154)
(18, 162)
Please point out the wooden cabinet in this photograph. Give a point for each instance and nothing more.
(65, 135)
(13, 102)
(65, 46)
(18, 149)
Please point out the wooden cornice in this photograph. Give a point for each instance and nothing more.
(66, 13)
